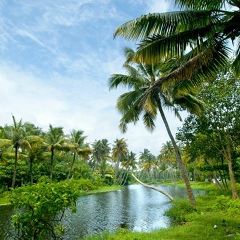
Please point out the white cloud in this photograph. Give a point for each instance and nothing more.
(158, 6)
(62, 79)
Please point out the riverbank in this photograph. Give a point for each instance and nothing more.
(215, 217)
(4, 198)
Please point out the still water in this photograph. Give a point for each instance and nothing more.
(135, 207)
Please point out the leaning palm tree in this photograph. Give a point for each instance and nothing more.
(202, 30)
(140, 77)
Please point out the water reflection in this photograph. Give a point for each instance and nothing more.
(135, 207)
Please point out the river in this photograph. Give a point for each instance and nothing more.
(135, 207)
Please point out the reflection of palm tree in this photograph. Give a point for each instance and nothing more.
(139, 100)
(78, 147)
(54, 139)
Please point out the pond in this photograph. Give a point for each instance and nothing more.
(135, 207)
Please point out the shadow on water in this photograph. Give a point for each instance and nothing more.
(135, 208)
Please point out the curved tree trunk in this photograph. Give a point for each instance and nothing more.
(178, 157)
(152, 187)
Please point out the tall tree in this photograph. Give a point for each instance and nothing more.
(147, 161)
(119, 154)
(54, 139)
(202, 30)
(139, 78)
(100, 155)
(16, 134)
(218, 124)
(78, 147)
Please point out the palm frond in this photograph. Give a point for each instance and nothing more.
(196, 4)
(148, 120)
(165, 24)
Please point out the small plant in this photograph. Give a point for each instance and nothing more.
(41, 208)
(181, 208)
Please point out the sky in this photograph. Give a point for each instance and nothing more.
(55, 61)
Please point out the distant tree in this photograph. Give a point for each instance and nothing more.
(100, 154)
(78, 147)
(54, 139)
(119, 154)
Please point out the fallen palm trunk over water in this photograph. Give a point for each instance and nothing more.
(152, 187)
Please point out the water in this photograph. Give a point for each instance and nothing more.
(135, 207)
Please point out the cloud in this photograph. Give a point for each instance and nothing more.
(156, 6)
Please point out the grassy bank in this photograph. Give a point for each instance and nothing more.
(215, 217)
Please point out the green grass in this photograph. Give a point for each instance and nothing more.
(4, 199)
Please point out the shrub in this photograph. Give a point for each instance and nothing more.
(226, 204)
(181, 207)
(41, 208)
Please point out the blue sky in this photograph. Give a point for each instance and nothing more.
(55, 61)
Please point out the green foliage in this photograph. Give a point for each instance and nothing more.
(84, 185)
(229, 206)
(181, 208)
(44, 179)
(41, 208)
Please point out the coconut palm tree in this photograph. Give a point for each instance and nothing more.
(54, 139)
(147, 161)
(198, 38)
(16, 133)
(100, 154)
(139, 78)
(119, 153)
(37, 147)
(77, 146)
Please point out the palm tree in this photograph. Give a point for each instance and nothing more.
(78, 147)
(140, 77)
(54, 139)
(37, 147)
(196, 37)
(119, 153)
(100, 155)
(16, 134)
(168, 156)
(147, 161)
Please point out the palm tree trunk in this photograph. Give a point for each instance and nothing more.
(178, 157)
(152, 187)
(15, 165)
(51, 165)
(31, 177)
(70, 170)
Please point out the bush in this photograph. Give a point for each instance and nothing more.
(84, 184)
(181, 207)
(41, 208)
(226, 204)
